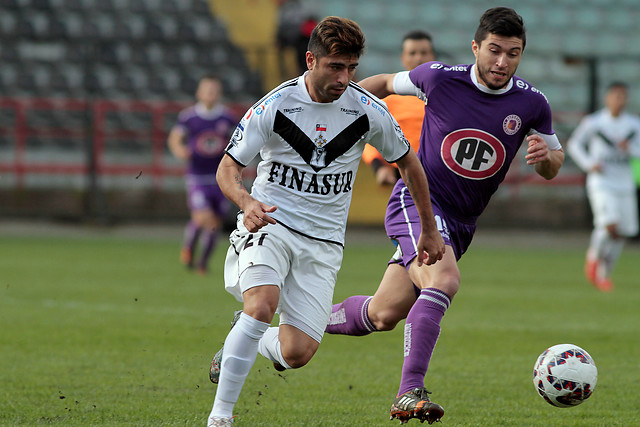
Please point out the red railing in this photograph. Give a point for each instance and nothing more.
(93, 130)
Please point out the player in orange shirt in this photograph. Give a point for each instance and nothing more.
(417, 49)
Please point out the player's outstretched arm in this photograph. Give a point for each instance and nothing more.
(430, 244)
(546, 162)
(229, 177)
(380, 85)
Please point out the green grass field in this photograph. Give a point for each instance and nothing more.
(111, 331)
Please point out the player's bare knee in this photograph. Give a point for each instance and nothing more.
(448, 283)
(386, 320)
(259, 310)
(297, 358)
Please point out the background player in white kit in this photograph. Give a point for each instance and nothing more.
(602, 145)
(287, 249)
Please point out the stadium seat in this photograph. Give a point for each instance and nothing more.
(9, 4)
(105, 6)
(24, 28)
(188, 84)
(71, 5)
(122, 30)
(9, 53)
(105, 53)
(186, 32)
(137, 6)
(153, 30)
(171, 56)
(91, 84)
(44, 5)
(169, 7)
(157, 86)
(201, 8)
(55, 29)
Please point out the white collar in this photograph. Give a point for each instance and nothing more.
(205, 113)
(485, 89)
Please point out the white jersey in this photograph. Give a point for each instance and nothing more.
(311, 151)
(597, 140)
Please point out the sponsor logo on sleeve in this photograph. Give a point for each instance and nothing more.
(260, 108)
(366, 101)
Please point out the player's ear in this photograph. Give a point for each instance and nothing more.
(311, 60)
(475, 47)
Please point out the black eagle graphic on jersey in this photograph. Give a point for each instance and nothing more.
(303, 145)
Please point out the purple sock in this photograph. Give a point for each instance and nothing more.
(191, 234)
(421, 332)
(350, 317)
(208, 239)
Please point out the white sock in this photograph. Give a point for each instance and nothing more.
(239, 355)
(269, 347)
(611, 254)
(597, 243)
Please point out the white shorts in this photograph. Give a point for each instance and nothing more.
(308, 269)
(615, 207)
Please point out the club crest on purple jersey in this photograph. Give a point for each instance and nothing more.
(511, 124)
(473, 153)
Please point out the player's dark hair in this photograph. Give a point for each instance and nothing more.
(502, 21)
(617, 85)
(336, 36)
(210, 76)
(417, 35)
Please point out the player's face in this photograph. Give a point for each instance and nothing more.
(209, 92)
(497, 59)
(329, 76)
(616, 100)
(416, 52)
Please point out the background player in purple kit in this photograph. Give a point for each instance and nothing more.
(476, 118)
(200, 137)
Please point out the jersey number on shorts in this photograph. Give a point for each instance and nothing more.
(250, 243)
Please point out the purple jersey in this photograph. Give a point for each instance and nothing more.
(207, 133)
(470, 134)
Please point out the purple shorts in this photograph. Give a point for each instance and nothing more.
(403, 226)
(201, 197)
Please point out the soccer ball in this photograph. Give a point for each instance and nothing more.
(565, 375)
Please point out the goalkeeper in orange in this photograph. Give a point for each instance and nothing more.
(417, 48)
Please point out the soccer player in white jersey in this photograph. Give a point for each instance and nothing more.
(287, 249)
(602, 145)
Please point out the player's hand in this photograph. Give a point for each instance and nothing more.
(256, 216)
(431, 247)
(537, 150)
(386, 175)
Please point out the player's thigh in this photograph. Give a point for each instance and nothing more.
(307, 293)
(296, 345)
(628, 207)
(604, 207)
(443, 275)
(206, 218)
(267, 247)
(394, 298)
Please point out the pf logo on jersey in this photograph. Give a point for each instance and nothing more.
(472, 153)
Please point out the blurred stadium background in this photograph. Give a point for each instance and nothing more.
(90, 88)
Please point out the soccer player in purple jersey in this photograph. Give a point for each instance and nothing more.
(476, 118)
(199, 138)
